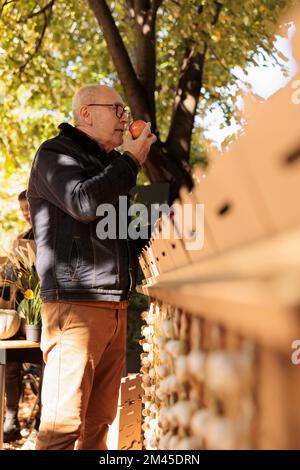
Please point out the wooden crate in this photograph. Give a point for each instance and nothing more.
(125, 431)
(268, 157)
(230, 214)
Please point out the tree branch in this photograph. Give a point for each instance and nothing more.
(47, 20)
(145, 19)
(7, 2)
(187, 97)
(157, 4)
(39, 12)
(134, 91)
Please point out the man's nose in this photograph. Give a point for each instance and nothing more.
(124, 118)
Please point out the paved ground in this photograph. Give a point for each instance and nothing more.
(25, 410)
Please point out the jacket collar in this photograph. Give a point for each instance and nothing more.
(82, 139)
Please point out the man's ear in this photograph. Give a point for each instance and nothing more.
(85, 114)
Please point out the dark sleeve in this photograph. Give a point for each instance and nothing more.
(60, 179)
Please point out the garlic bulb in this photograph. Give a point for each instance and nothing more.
(163, 371)
(161, 395)
(221, 434)
(163, 414)
(175, 347)
(190, 443)
(145, 362)
(166, 328)
(147, 330)
(163, 357)
(146, 378)
(199, 421)
(181, 368)
(150, 320)
(149, 434)
(227, 372)
(147, 404)
(195, 364)
(173, 442)
(164, 440)
(147, 347)
(160, 341)
(144, 315)
(152, 373)
(170, 384)
(183, 411)
(153, 424)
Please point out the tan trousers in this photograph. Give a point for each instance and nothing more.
(84, 351)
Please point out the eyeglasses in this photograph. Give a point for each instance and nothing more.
(119, 108)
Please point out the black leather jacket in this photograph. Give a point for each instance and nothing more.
(70, 177)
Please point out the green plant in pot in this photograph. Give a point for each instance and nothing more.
(28, 283)
(30, 309)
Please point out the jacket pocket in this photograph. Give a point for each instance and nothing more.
(75, 259)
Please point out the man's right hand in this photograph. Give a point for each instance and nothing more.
(140, 147)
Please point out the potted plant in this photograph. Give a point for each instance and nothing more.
(28, 283)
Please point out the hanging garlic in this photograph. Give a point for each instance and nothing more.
(153, 424)
(151, 373)
(160, 341)
(146, 362)
(150, 320)
(221, 434)
(199, 421)
(170, 384)
(163, 416)
(152, 443)
(146, 379)
(161, 395)
(166, 328)
(149, 434)
(163, 357)
(173, 442)
(175, 347)
(147, 330)
(181, 368)
(164, 440)
(151, 356)
(227, 372)
(144, 315)
(147, 347)
(144, 370)
(148, 390)
(190, 443)
(195, 363)
(163, 371)
(183, 411)
(147, 404)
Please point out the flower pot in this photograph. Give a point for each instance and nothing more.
(33, 332)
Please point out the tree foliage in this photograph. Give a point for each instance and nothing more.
(170, 59)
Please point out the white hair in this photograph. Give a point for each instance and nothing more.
(86, 95)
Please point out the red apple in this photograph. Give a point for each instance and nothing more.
(136, 128)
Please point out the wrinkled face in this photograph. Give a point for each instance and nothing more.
(24, 206)
(107, 128)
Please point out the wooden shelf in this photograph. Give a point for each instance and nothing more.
(254, 289)
(18, 344)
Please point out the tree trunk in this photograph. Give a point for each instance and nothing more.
(161, 166)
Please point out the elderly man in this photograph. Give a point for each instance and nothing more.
(85, 281)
